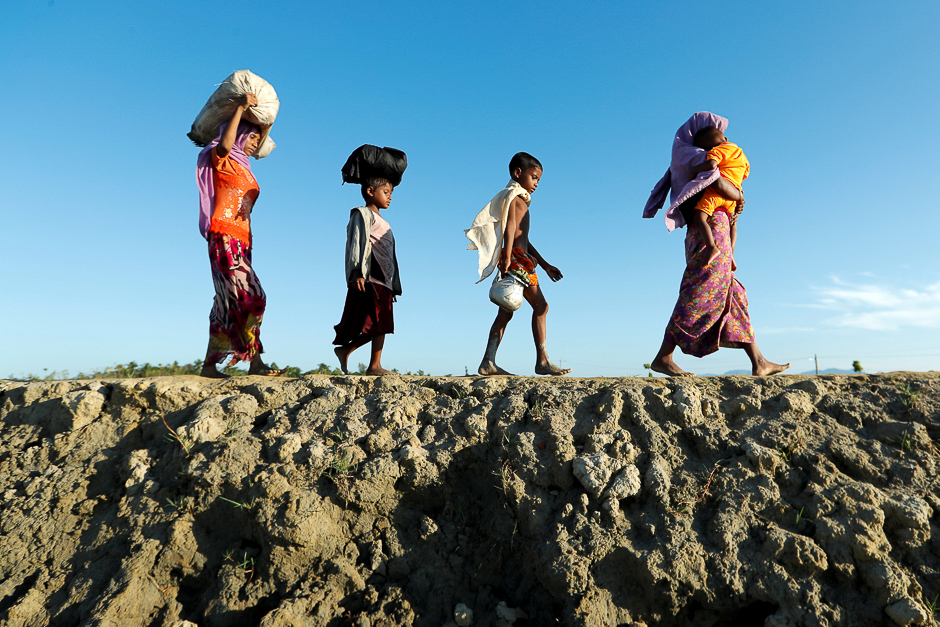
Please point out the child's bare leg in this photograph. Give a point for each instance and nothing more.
(700, 222)
(343, 352)
(543, 365)
(375, 364)
(663, 362)
(208, 368)
(488, 365)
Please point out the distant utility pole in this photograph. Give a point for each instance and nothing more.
(817, 364)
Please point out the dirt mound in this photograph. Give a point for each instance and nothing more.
(503, 501)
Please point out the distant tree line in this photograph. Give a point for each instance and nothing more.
(133, 370)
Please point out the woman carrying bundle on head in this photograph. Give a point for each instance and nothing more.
(227, 193)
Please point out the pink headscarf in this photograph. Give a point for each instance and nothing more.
(204, 170)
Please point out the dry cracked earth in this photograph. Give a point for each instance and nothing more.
(179, 501)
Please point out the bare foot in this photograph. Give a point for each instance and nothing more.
(264, 371)
(488, 368)
(378, 372)
(551, 369)
(342, 353)
(669, 368)
(766, 368)
(713, 252)
(211, 372)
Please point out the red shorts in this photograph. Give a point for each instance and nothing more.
(365, 313)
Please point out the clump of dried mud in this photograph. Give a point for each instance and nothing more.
(503, 501)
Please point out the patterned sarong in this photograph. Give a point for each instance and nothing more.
(235, 319)
(523, 264)
(712, 306)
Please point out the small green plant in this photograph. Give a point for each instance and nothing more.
(341, 467)
(182, 504)
(246, 565)
(649, 369)
(857, 367)
(795, 442)
(910, 398)
(800, 517)
(505, 475)
(241, 505)
(905, 443)
(537, 409)
(173, 436)
(932, 605)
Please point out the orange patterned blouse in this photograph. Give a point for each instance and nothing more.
(235, 193)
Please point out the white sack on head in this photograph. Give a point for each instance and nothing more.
(222, 104)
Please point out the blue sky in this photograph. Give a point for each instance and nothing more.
(834, 103)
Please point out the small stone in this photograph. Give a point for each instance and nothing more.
(428, 527)
(688, 402)
(797, 402)
(764, 460)
(626, 484)
(463, 615)
(907, 612)
(612, 505)
(567, 510)
(594, 472)
(509, 615)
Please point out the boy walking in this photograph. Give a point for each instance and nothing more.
(500, 232)
(372, 276)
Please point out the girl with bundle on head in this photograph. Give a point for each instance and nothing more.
(227, 193)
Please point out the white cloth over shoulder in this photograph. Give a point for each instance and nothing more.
(486, 233)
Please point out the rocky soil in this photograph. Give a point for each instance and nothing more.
(179, 501)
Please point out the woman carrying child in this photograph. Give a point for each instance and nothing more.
(712, 307)
(227, 193)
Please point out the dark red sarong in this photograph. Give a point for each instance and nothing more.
(365, 313)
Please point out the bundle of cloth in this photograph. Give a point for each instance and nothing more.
(486, 232)
(678, 178)
(221, 105)
(368, 161)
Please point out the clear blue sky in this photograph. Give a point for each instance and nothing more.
(834, 103)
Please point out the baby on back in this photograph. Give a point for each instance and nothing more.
(731, 163)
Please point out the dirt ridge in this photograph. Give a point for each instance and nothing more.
(397, 500)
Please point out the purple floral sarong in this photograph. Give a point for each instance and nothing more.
(712, 306)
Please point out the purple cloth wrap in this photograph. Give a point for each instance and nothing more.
(204, 170)
(678, 177)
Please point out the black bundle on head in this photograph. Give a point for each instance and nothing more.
(368, 163)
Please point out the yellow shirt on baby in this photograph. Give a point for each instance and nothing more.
(734, 166)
